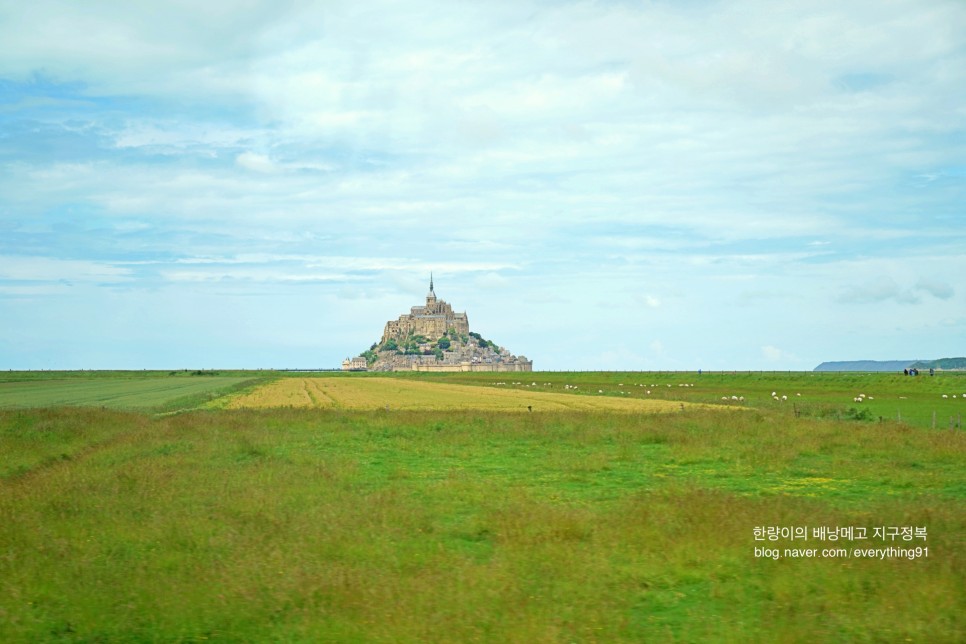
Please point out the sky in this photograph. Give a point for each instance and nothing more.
(654, 185)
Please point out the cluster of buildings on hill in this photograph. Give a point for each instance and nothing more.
(433, 337)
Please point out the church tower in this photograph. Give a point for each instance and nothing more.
(431, 296)
(431, 321)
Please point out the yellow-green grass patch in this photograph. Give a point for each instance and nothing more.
(397, 394)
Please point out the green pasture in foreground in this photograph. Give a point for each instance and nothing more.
(290, 525)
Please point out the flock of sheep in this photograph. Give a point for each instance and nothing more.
(774, 395)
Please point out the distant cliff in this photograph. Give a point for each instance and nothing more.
(946, 364)
(866, 365)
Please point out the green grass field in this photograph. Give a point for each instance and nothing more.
(118, 390)
(334, 525)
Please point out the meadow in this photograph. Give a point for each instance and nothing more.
(155, 391)
(299, 522)
(399, 394)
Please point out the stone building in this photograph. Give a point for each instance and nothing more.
(354, 364)
(430, 321)
(433, 337)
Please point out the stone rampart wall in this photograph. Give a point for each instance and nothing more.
(475, 366)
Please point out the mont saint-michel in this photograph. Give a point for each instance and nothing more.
(433, 337)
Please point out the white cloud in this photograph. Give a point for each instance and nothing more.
(649, 301)
(256, 162)
(772, 354)
(65, 271)
(492, 281)
(937, 288)
(884, 289)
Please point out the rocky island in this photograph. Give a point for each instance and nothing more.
(433, 337)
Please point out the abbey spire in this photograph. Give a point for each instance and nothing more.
(431, 296)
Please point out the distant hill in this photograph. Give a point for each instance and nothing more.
(867, 365)
(947, 364)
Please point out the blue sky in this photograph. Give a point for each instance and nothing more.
(599, 185)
